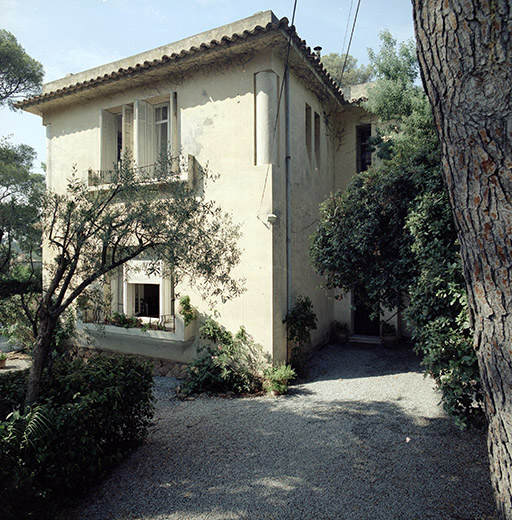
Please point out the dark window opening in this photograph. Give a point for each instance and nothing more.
(119, 136)
(147, 300)
(308, 130)
(317, 138)
(363, 147)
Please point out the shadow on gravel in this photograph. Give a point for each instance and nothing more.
(353, 362)
(298, 459)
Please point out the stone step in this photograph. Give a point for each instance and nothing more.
(361, 338)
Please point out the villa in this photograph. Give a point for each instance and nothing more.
(253, 102)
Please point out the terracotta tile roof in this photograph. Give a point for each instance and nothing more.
(224, 42)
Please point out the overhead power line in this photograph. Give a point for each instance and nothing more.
(348, 24)
(350, 41)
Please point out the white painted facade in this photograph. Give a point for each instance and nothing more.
(226, 106)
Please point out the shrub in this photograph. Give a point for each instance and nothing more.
(15, 325)
(299, 322)
(88, 417)
(13, 386)
(187, 311)
(227, 363)
(119, 319)
(276, 378)
(438, 311)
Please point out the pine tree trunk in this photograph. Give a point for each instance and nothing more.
(465, 54)
(40, 356)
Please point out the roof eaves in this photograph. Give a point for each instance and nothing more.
(205, 46)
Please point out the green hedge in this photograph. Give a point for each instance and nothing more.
(88, 418)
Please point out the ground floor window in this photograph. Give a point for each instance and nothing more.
(147, 300)
(143, 291)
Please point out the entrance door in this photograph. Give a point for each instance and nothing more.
(363, 324)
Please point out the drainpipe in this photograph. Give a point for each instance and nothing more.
(288, 195)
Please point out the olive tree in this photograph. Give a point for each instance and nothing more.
(88, 233)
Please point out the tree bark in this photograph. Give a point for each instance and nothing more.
(465, 55)
(40, 355)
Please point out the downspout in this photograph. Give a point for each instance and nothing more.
(288, 196)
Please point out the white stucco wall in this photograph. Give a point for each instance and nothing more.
(221, 113)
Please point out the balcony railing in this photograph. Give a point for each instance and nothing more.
(184, 168)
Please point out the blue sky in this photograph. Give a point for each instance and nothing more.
(68, 36)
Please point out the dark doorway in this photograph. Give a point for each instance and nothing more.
(363, 324)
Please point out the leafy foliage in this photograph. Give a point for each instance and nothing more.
(20, 211)
(88, 418)
(119, 319)
(227, 362)
(187, 311)
(360, 245)
(438, 310)
(20, 242)
(300, 321)
(344, 69)
(391, 233)
(20, 75)
(91, 233)
(277, 376)
(393, 62)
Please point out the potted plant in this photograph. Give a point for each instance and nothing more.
(276, 378)
(388, 334)
(3, 359)
(340, 332)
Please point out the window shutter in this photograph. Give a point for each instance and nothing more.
(127, 129)
(107, 140)
(173, 120)
(140, 133)
(150, 135)
(144, 133)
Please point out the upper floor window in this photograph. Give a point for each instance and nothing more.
(141, 129)
(317, 139)
(313, 136)
(363, 147)
(308, 132)
(123, 132)
(161, 129)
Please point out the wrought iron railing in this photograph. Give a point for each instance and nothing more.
(183, 168)
(168, 322)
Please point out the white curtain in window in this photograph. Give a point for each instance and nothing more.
(128, 129)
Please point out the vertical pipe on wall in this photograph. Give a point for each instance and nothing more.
(288, 191)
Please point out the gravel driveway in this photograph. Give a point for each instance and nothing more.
(364, 438)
